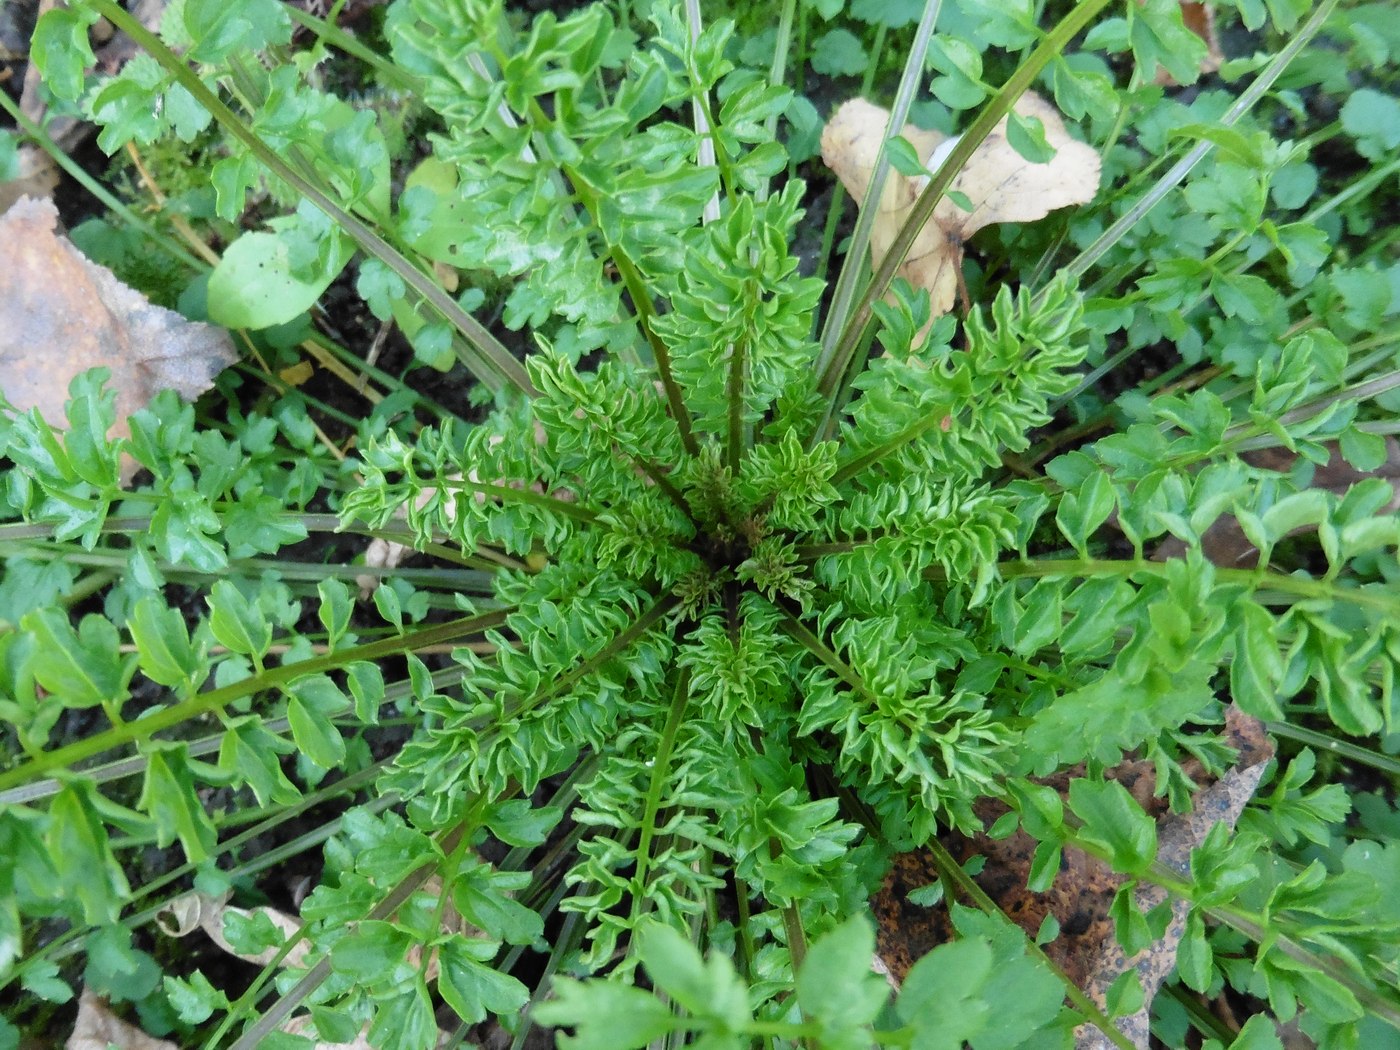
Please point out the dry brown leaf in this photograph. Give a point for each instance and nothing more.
(61, 314)
(1219, 803)
(97, 1028)
(1086, 950)
(199, 911)
(1000, 184)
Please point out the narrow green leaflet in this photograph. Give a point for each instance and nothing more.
(310, 704)
(89, 874)
(237, 623)
(170, 797)
(163, 642)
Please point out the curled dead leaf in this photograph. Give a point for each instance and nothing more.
(61, 314)
(997, 183)
(199, 911)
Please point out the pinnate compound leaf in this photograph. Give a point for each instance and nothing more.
(312, 702)
(82, 668)
(836, 986)
(250, 752)
(710, 989)
(195, 999)
(604, 1015)
(61, 51)
(90, 874)
(163, 644)
(483, 902)
(1373, 120)
(236, 622)
(168, 795)
(1161, 38)
(839, 53)
(942, 998)
(406, 1022)
(219, 28)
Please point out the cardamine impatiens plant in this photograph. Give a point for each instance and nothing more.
(734, 581)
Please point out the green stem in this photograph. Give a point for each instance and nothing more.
(646, 315)
(929, 419)
(332, 34)
(660, 774)
(507, 494)
(1259, 928)
(1365, 756)
(619, 643)
(814, 645)
(841, 359)
(777, 69)
(490, 361)
(281, 1010)
(853, 265)
(588, 196)
(70, 942)
(1081, 263)
(216, 699)
(792, 925)
(117, 207)
(735, 393)
(658, 477)
(1252, 579)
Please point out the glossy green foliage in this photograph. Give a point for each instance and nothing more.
(701, 645)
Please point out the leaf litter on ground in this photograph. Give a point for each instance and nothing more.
(62, 314)
(998, 184)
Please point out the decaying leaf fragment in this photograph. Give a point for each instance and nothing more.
(998, 183)
(200, 911)
(61, 314)
(97, 1028)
